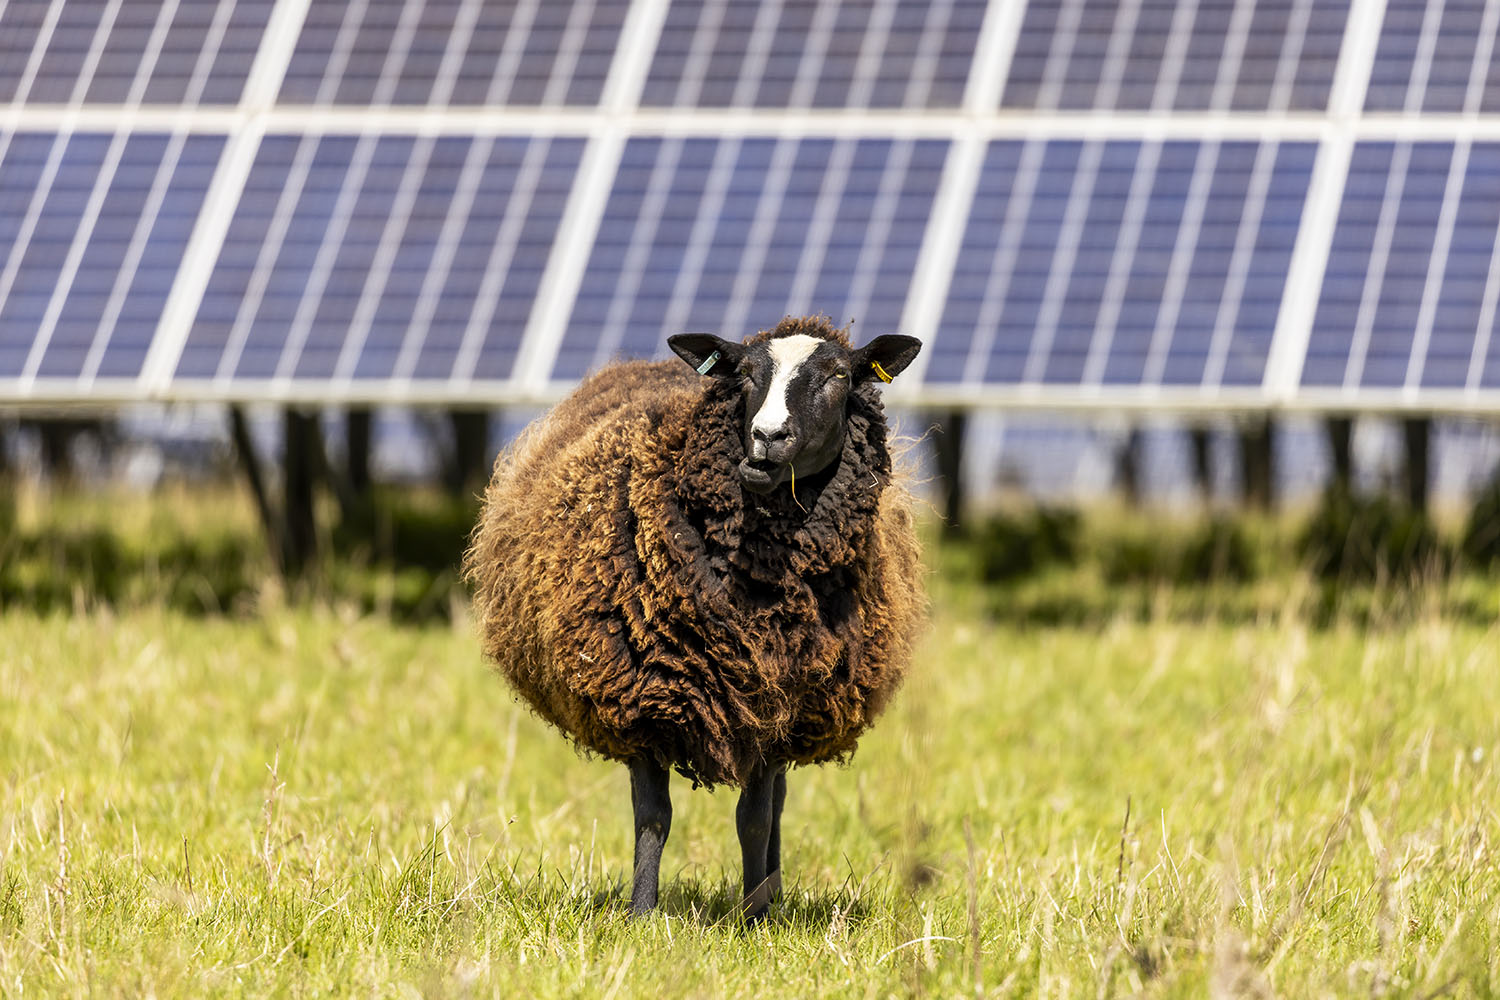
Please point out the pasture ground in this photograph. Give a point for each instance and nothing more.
(300, 799)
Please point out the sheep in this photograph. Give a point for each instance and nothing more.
(707, 568)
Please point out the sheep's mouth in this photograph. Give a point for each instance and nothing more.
(760, 475)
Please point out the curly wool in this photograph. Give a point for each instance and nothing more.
(640, 601)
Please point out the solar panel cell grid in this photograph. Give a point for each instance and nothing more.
(35, 257)
(1266, 272)
(1452, 57)
(1388, 352)
(21, 23)
(1071, 273)
(65, 52)
(1321, 44)
(116, 300)
(82, 298)
(1435, 58)
(1409, 298)
(345, 253)
(1206, 55)
(1069, 322)
(1076, 55)
(392, 258)
(1284, 38)
(1201, 298)
(194, 51)
(730, 235)
(1395, 57)
(1377, 269)
(881, 54)
(498, 264)
(1459, 314)
(522, 52)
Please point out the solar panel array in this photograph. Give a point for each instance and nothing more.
(1075, 203)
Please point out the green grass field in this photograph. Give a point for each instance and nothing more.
(302, 799)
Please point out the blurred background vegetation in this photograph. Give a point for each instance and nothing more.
(306, 515)
(203, 549)
(200, 549)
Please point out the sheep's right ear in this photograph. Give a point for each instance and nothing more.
(707, 354)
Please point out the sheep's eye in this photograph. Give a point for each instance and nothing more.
(840, 374)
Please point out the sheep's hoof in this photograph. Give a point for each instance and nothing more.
(753, 908)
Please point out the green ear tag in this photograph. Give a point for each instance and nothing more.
(708, 365)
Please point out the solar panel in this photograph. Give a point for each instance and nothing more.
(380, 257)
(92, 227)
(1129, 55)
(732, 234)
(407, 52)
(1122, 263)
(838, 54)
(1436, 57)
(1409, 295)
(94, 51)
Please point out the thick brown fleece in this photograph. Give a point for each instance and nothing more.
(647, 606)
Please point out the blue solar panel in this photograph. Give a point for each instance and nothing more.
(206, 41)
(730, 235)
(1450, 360)
(523, 52)
(1377, 266)
(109, 299)
(368, 251)
(886, 54)
(370, 261)
(1380, 271)
(1426, 58)
(1103, 54)
(1122, 263)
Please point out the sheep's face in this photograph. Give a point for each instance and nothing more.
(796, 391)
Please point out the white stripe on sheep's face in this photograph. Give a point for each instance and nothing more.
(796, 391)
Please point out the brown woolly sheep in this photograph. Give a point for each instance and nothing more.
(715, 575)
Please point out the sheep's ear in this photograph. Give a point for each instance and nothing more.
(885, 357)
(707, 354)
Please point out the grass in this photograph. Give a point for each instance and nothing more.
(304, 799)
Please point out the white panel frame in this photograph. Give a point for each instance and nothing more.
(1344, 125)
(746, 122)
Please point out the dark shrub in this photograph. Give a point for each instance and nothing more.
(1008, 546)
(1214, 550)
(1481, 541)
(1367, 538)
(1217, 550)
(403, 530)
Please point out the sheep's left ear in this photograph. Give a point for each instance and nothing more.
(708, 354)
(885, 357)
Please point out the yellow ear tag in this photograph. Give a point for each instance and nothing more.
(884, 376)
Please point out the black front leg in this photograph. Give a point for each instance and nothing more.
(653, 821)
(754, 819)
(773, 845)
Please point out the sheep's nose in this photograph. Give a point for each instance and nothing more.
(769, 443)
(770, 436)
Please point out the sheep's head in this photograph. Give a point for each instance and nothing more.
(796, 388)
